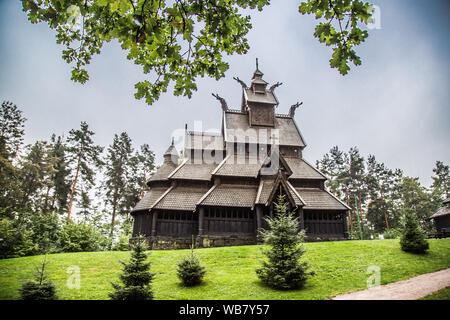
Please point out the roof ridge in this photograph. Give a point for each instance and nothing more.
(160, 198)
(317, 170)
(178, 168)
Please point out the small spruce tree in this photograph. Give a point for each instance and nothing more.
(283, 270)
(190, 271)
(136, 276)
(412, 238)
(41, 289)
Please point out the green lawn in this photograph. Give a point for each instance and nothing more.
(443, 294)
(340, 268)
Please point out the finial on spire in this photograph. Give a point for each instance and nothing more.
(173, 139)
(293, 107)
(257, 68)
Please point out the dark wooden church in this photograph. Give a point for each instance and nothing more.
(226, 184)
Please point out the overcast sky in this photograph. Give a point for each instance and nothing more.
(395, 106)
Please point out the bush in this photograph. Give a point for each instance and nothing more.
(136, 276)
(77, 237)
(123, 244)
(41, 289)
(412, 238)
(190, 271)
(284, 270)
(32, 290)
(392, 234)
(15, 241)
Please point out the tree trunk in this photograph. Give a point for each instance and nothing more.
(46, 200)
(113, 218)
(350, 211)
(385, 213)
(73, 186)
(360, 210)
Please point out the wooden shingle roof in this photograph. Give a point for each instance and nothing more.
(265, 188)
(204, 141)
(239, 167)
(230, 195)
(303, 170)
(237, 129)
(319, 199)
(181, 198)
(149, 199)
(193, 171)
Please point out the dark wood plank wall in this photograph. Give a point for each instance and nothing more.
(220, 220)
(324, 223)
(142, 224)
(232, 221)
(177, 224)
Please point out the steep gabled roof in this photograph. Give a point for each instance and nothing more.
(204, 140)
(237, 129)
(193, 171)
(237, 166)
(319, 199)
(180, 198)
(301, 169)
(149, 199)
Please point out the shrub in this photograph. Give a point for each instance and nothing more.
(123, 244)
(284, 270)
(77, 237)
(412, 238)
(392, 233)
(15, 241)
(136, 276)
(41, 289)
(190, 271)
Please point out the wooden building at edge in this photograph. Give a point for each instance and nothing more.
(225, 186)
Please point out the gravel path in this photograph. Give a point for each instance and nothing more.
(410, 289)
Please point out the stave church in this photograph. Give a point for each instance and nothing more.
(225, 185)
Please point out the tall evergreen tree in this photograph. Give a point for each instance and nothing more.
(284, 270)
(60, 179)
(118, 173)
(83, 155)
(441, 179)
(11, 138)
(37, 170)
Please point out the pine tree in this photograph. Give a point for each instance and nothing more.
(136, 276)
(41, 288)
(284, 270)
(11, 139)
(118, 175)
(412, 239)
(84, 155)
(441, 180)
(190, 271)
(60, 179)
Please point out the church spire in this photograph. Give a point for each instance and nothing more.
(257, 74)
(171, 154)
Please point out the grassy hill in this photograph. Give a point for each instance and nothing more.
(340, 267)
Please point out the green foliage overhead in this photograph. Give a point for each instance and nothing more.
(178, 41)
(341, 28)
